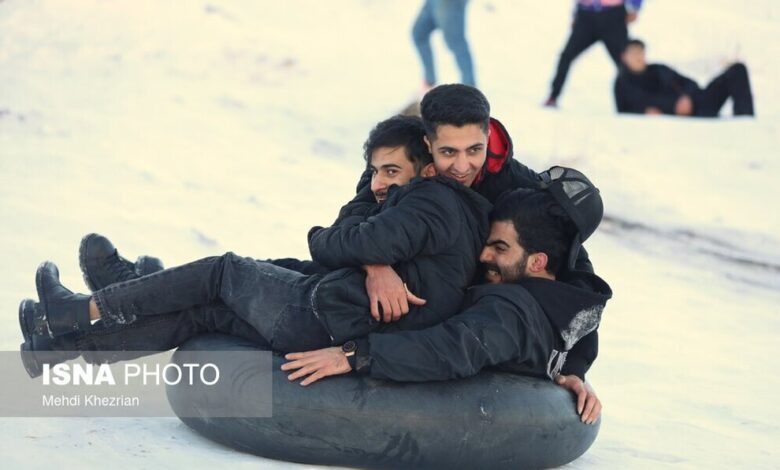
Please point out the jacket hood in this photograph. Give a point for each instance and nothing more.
(574, 303)
(500, 150)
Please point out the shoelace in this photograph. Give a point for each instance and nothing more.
(118, 268)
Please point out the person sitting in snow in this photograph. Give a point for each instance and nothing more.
(643, 88)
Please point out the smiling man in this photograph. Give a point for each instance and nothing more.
(527, 316)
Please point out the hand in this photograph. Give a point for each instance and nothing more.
(588, 404)
(316, 364)
(631, 17)
(684, 106)
(653, 110)
(385, 288)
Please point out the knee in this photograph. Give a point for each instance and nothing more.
(456, 41)
(738, 69)
(420, 34)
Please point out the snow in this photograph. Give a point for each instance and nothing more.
(185, 129)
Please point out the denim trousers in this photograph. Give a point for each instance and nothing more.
(450, 17)
(227, 294)
(153, 333)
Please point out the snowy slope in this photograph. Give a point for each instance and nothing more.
(185, 129)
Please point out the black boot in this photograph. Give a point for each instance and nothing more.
(38, 348)
(102, 265)
(61, 311)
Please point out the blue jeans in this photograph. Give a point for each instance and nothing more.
(277, 303)
(450, 17)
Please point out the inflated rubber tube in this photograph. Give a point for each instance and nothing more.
(493, 420)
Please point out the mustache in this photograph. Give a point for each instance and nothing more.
(490, 266)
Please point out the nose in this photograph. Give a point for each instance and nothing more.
(378, 184)
(461, 164)
(486, 256)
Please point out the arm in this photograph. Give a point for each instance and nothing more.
(488, 333)
(422, 222)
(582, 355)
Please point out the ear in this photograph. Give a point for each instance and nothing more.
(428, 143)
(537, 264)
(428, 171)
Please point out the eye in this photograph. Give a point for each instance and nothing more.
(392, 172)
(447, 152)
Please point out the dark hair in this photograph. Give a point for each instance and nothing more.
(457, 105)
(542, 225)
(635, 42)
(406, 131)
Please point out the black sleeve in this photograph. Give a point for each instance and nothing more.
(423, 221)
(622, 104)
(523, 177)
(488, 333)
(582, 355)
(361, 206)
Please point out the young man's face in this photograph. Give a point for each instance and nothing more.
(634, 58)
(389, 166)
(459, 152)
(504, 260)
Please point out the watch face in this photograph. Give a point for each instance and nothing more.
(349, 346)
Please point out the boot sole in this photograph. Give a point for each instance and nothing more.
(32, 364)
(83, 262)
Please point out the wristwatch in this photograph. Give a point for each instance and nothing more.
(349, 348)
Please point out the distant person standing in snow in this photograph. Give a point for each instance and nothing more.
(450, 17)
(658, 89)
(594, 20)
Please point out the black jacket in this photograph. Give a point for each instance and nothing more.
(658, 86)
(500, 173)
(430, 231)
(526, 328)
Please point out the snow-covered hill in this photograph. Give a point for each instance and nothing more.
(186, 129)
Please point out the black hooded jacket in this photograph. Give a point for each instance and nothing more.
(525, 328)
(658, 86)
(430, 231)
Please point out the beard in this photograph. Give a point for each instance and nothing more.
(508, 274)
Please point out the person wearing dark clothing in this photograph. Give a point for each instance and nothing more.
(642, 88)
(525, 320)
(594, 20)
(430, 231)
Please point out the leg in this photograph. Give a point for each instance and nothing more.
(614, 33)
(277, 302)
(734, 83)
(164, 332)
(581, 38)
(450, 15)
(421, 33)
